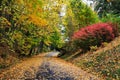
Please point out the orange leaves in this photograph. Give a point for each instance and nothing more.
(39, 9)
(35, 13)
(36, 20)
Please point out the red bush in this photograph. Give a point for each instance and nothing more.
(95, 34)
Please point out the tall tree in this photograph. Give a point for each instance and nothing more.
(78, 15)
(52, 10)
(27, 26)
(107, 6)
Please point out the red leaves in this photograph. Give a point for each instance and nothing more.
(96, 30)
(94, 35)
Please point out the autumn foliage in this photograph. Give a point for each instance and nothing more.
(29, 27)
(94, 35)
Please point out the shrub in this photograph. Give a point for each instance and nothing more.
(94, 35)
(112, 18)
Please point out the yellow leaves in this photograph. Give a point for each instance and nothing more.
(33, 6)
(37, 21)
(21, 19)
(20, 1)
(38, 8)
(93, 48)
(108, 0)
(33, 13)
(4, 23)
(17, 35)
(47, 42)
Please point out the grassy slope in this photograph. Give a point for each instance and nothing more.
(104, 62)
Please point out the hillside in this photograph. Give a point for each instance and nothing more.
(104, 62)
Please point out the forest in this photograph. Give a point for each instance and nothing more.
(33, 27)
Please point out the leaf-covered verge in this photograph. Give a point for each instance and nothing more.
(24, 70)
(7, 58)
(105, 62)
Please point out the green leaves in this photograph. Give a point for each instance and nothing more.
(83, 13)
(107, 6)
(56, 40)
(29, 25)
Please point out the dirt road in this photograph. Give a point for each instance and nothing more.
(45, 68)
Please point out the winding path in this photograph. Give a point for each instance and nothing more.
(57, 69)
(52, 54)
(45, 68)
